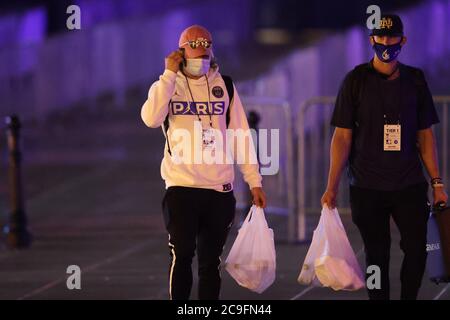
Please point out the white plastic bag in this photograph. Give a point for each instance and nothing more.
(252, 261)
(330, 261)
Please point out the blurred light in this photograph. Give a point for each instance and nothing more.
(33, 26)
(273, 36)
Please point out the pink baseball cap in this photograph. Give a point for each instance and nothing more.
(196, 33)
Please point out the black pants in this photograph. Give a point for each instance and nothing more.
(196, 219)
(371, 211)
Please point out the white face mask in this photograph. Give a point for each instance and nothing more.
(197, 67)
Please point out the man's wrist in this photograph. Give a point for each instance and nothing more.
(170, 72)
(436, 182)
(332, 190)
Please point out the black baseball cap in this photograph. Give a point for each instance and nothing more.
(390, 25)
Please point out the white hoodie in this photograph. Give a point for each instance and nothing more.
(171, 91)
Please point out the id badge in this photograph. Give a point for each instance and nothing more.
(392, 137)
(208, 139)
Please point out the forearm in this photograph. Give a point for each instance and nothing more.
(245, 151)
(251, 175)
(428, 153)
(155, 108)
(339, 153)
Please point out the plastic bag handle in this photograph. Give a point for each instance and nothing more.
(333, 212)
(260, 218)
(249, 216)
(256, 214)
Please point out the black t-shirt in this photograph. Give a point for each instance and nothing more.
(363, 100)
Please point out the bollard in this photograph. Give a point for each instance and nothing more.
(17, 235)
(253, 121)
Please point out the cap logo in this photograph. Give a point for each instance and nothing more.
(386, 23)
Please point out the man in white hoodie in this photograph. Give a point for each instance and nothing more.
(192, 99)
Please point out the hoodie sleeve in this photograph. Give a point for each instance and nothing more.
(238, 120)
(156, 107)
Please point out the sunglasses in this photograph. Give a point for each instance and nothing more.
(194, 44)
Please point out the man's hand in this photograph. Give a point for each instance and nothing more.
(329, 198)
(341, 145)
(173, 61)
(259, 197)
(439, 195)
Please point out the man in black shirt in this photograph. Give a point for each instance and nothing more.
(383, 117)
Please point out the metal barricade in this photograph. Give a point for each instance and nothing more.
(313, 154)
(280, 187)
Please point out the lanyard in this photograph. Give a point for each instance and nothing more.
(209, 101)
